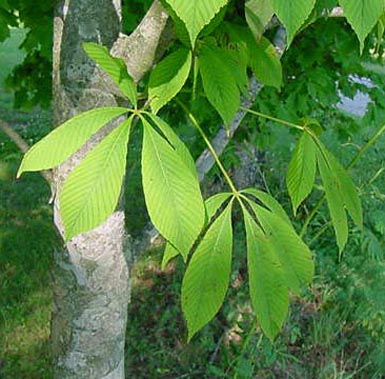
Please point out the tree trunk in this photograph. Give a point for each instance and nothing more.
(91, 276)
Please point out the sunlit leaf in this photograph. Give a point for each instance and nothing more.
(91, 192)
(196, 14)
(292, 252)
(267, 283)
(171, 191)
(207, 277)
(168, 78)
(114, 67)
(63, 141)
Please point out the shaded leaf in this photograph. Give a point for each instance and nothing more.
(265, 63)
(362, 15)
(349, 191)
(292, 14)
(258, 14)
(334, 198)
(302, 169)
(219, 83)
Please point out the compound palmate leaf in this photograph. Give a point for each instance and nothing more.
(293, 14)
(362, 15)
(208, 274)
(219, 83)
(196, 14)
(172, 194)
(91, 192)
(168, 77)
(114, 67)
(267, 284)
(302, 169)
(58, 145)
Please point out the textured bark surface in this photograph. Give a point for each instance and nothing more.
(91, 277)
(91, 274)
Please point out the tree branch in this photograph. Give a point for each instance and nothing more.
(138, 50)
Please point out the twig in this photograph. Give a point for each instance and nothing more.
(14, 136)
(18, 140)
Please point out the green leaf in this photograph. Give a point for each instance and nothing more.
(169, 253)
(179, 147)
(334, 198)
(237, 61)
(114, 67)
(258, 14)
(196, 14)
(218, 82)
(208, 274)
(168, 78)
(269, 202)
(265, 63)
(292, 252)
(348, 190)
(171, 191)
(214, 202)
(267, 284)
(302, 169)
(212, 205)
(292, 14)
(91, 192)
(63, 141)
(362, 15)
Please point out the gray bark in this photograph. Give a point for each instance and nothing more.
(91, 273)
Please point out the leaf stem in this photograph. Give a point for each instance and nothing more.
(271, 118)
(368, 144)
(195, 122)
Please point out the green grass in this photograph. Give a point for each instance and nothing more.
(27, 239)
